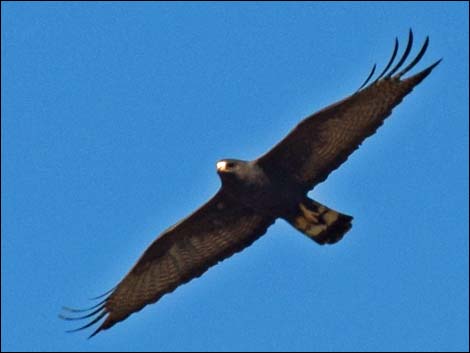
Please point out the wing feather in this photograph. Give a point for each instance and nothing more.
(185, 251)
(323, 141)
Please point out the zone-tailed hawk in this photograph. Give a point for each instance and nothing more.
(255, 193)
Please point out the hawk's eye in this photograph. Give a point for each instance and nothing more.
(230, 165)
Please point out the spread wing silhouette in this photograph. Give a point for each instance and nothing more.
(185, 251)
(323, 141)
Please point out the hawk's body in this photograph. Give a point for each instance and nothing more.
(254, 194)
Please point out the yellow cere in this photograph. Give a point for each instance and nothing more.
(221, 165)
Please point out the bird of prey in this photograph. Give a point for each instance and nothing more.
(255, 193)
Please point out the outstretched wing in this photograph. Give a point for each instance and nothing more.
(185, 251)
(324, 140)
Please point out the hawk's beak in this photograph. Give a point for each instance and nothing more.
(221, 166)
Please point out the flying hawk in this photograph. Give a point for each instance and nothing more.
(255, 193)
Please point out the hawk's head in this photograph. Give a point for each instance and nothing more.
(229, 165)
(239, 172)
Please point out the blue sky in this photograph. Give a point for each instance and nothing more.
(114, 114)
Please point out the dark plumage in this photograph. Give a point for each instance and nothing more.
(255, 193)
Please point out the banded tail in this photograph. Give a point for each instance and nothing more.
(320, 223)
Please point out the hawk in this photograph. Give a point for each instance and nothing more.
(255, 193)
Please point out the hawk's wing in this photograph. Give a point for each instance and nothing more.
(323, 141)
(214, 232)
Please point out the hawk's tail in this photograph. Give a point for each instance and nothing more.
(320, 223)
